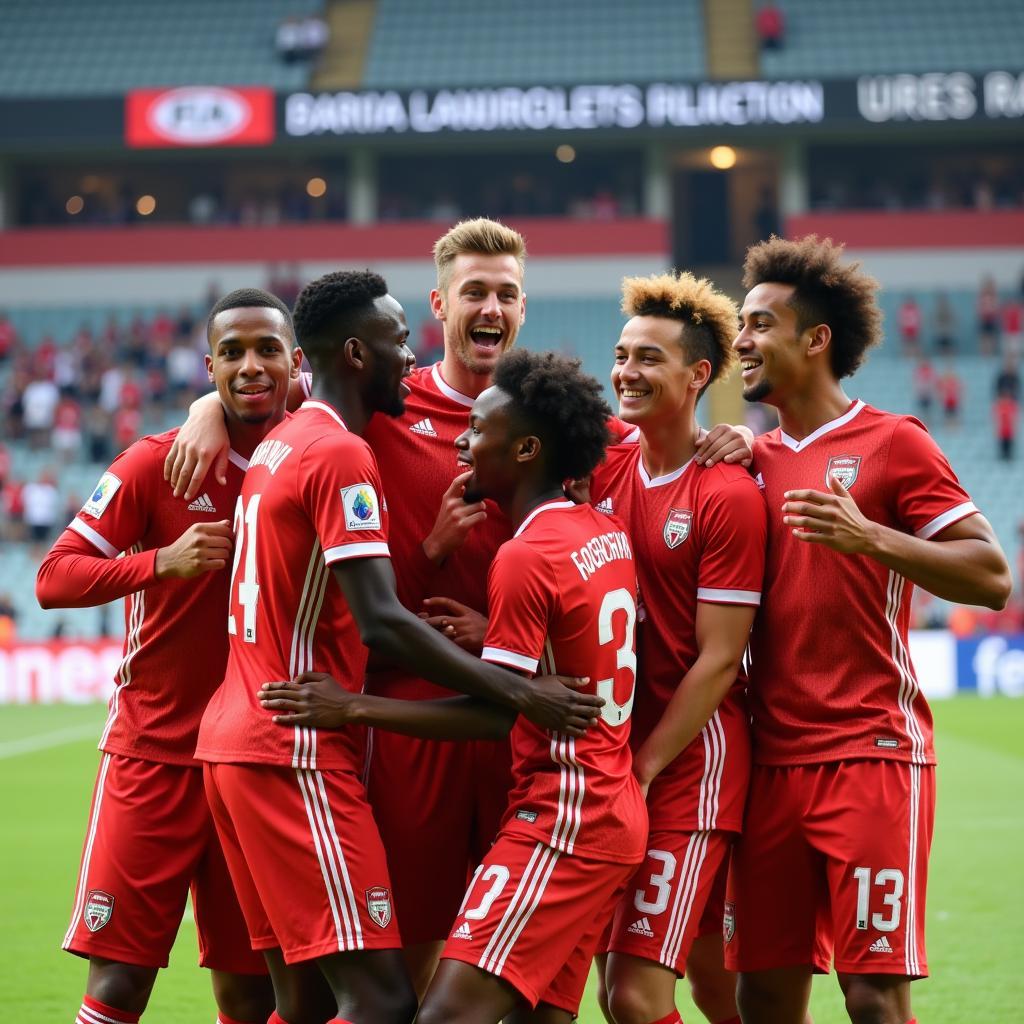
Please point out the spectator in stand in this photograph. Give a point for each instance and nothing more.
(988, 316)
(39, 404)
(8, 620)
(12, 508)
(909, 320)
(127, 427)
(42, 506)
(924, 387)
(162, 329)
(950, 389)
(945, 325)
(771, 26)
(184, 365)
(1013, 325)
(1006, 412)
(5, 464)
(185, 325)
(66, 438)
(1008, 379)
(8, 338)
(97, 434)
(45, 356)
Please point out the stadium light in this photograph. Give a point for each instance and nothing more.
(316, 187)
(145, 205)
(723, 157)
(74, 205)
(565, 154)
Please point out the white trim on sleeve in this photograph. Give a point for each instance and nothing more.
(372, 549)
(714, 596)
(238, 460)
(503, 657)
(97, 540)
(939, 523)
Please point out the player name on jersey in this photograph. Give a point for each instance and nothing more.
(600, 551)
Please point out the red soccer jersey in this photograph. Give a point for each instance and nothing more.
(563, 597)
(175, 646)
(698, 535)
(311, 497)
(831, 676)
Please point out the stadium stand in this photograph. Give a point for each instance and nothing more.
(537, 42)
(67, 48)
(832, 38)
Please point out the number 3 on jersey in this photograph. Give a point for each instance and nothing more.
(625, 656)
(248, 588)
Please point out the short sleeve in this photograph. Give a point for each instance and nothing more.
(521, 595)
(926, 495)
(343, 497)
(116, 514)
(734, 527)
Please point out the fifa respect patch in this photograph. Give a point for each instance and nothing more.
(362, 509)
(100, 497)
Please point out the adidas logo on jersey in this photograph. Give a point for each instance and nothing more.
(641, 927)
(424, 427)
(881, 945)
(605, 506)
(202, 504)
(463, 932)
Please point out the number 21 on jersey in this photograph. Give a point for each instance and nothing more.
(248, 593)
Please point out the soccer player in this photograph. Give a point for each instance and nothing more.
(862, 505)
(699, 538)
(562, 594)
(150, 834)
(311, 579)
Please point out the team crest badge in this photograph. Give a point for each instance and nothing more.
(99, 908)
(378, 905)
(729, 921)
(844, 468)
(677, 526)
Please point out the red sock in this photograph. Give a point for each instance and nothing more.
(275, 1019)
(337, 1020)
(672, 1018)
(223, 1018)
(95, 1012)
(913, 1020)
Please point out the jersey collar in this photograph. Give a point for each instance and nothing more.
(556, 503)
(825, 428)
(660, 481)
(447, 390)
(238, 460)
(312, 403)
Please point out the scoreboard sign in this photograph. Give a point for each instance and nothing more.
(200, 116)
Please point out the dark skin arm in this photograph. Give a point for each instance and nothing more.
(316, 699)
(391, 630)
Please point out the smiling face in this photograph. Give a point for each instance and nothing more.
(390, 360)
(488, 447)
(482, 309)
(252, 362)
(651, 376)
(769, 343)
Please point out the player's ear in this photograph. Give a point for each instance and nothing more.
(296, 367)
(527, 448)
(701, 374)
(820, 339)
(209, 367)
(354, 353)
(437, 304)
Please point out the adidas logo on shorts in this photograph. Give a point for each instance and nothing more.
(881, 945)
(424, 427)
(202, 504)
(463, 932)
(641, 927)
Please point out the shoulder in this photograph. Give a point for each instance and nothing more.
(724, 476)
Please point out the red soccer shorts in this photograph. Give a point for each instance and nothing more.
(306, 859)
(150, 838)
(438, 806)
(676, 896)
(533, 916)
(833, 860)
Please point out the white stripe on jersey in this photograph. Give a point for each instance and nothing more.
(301, 659)
(332, 861)
(133, 642)
(83, 874)
(913, 963)
(713, 735)
(686, 891)
(909, 688)
(521, 907)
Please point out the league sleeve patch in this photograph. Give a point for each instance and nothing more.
(362, 509)
(100, 498)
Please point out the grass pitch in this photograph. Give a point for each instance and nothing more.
(975, 905)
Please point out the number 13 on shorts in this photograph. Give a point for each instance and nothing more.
(888, 883)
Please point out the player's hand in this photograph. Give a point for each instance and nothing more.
(201, 442)
(313, 699)
(203, 547)
(829, 517)
(578, 490)
(725, 443)
(554, 703)
(455, 518)
(460, 623)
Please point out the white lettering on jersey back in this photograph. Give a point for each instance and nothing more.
(270, 453)
(599, 551)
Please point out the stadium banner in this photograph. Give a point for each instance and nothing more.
(932, 97)
(83, 671)
(202, 116)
